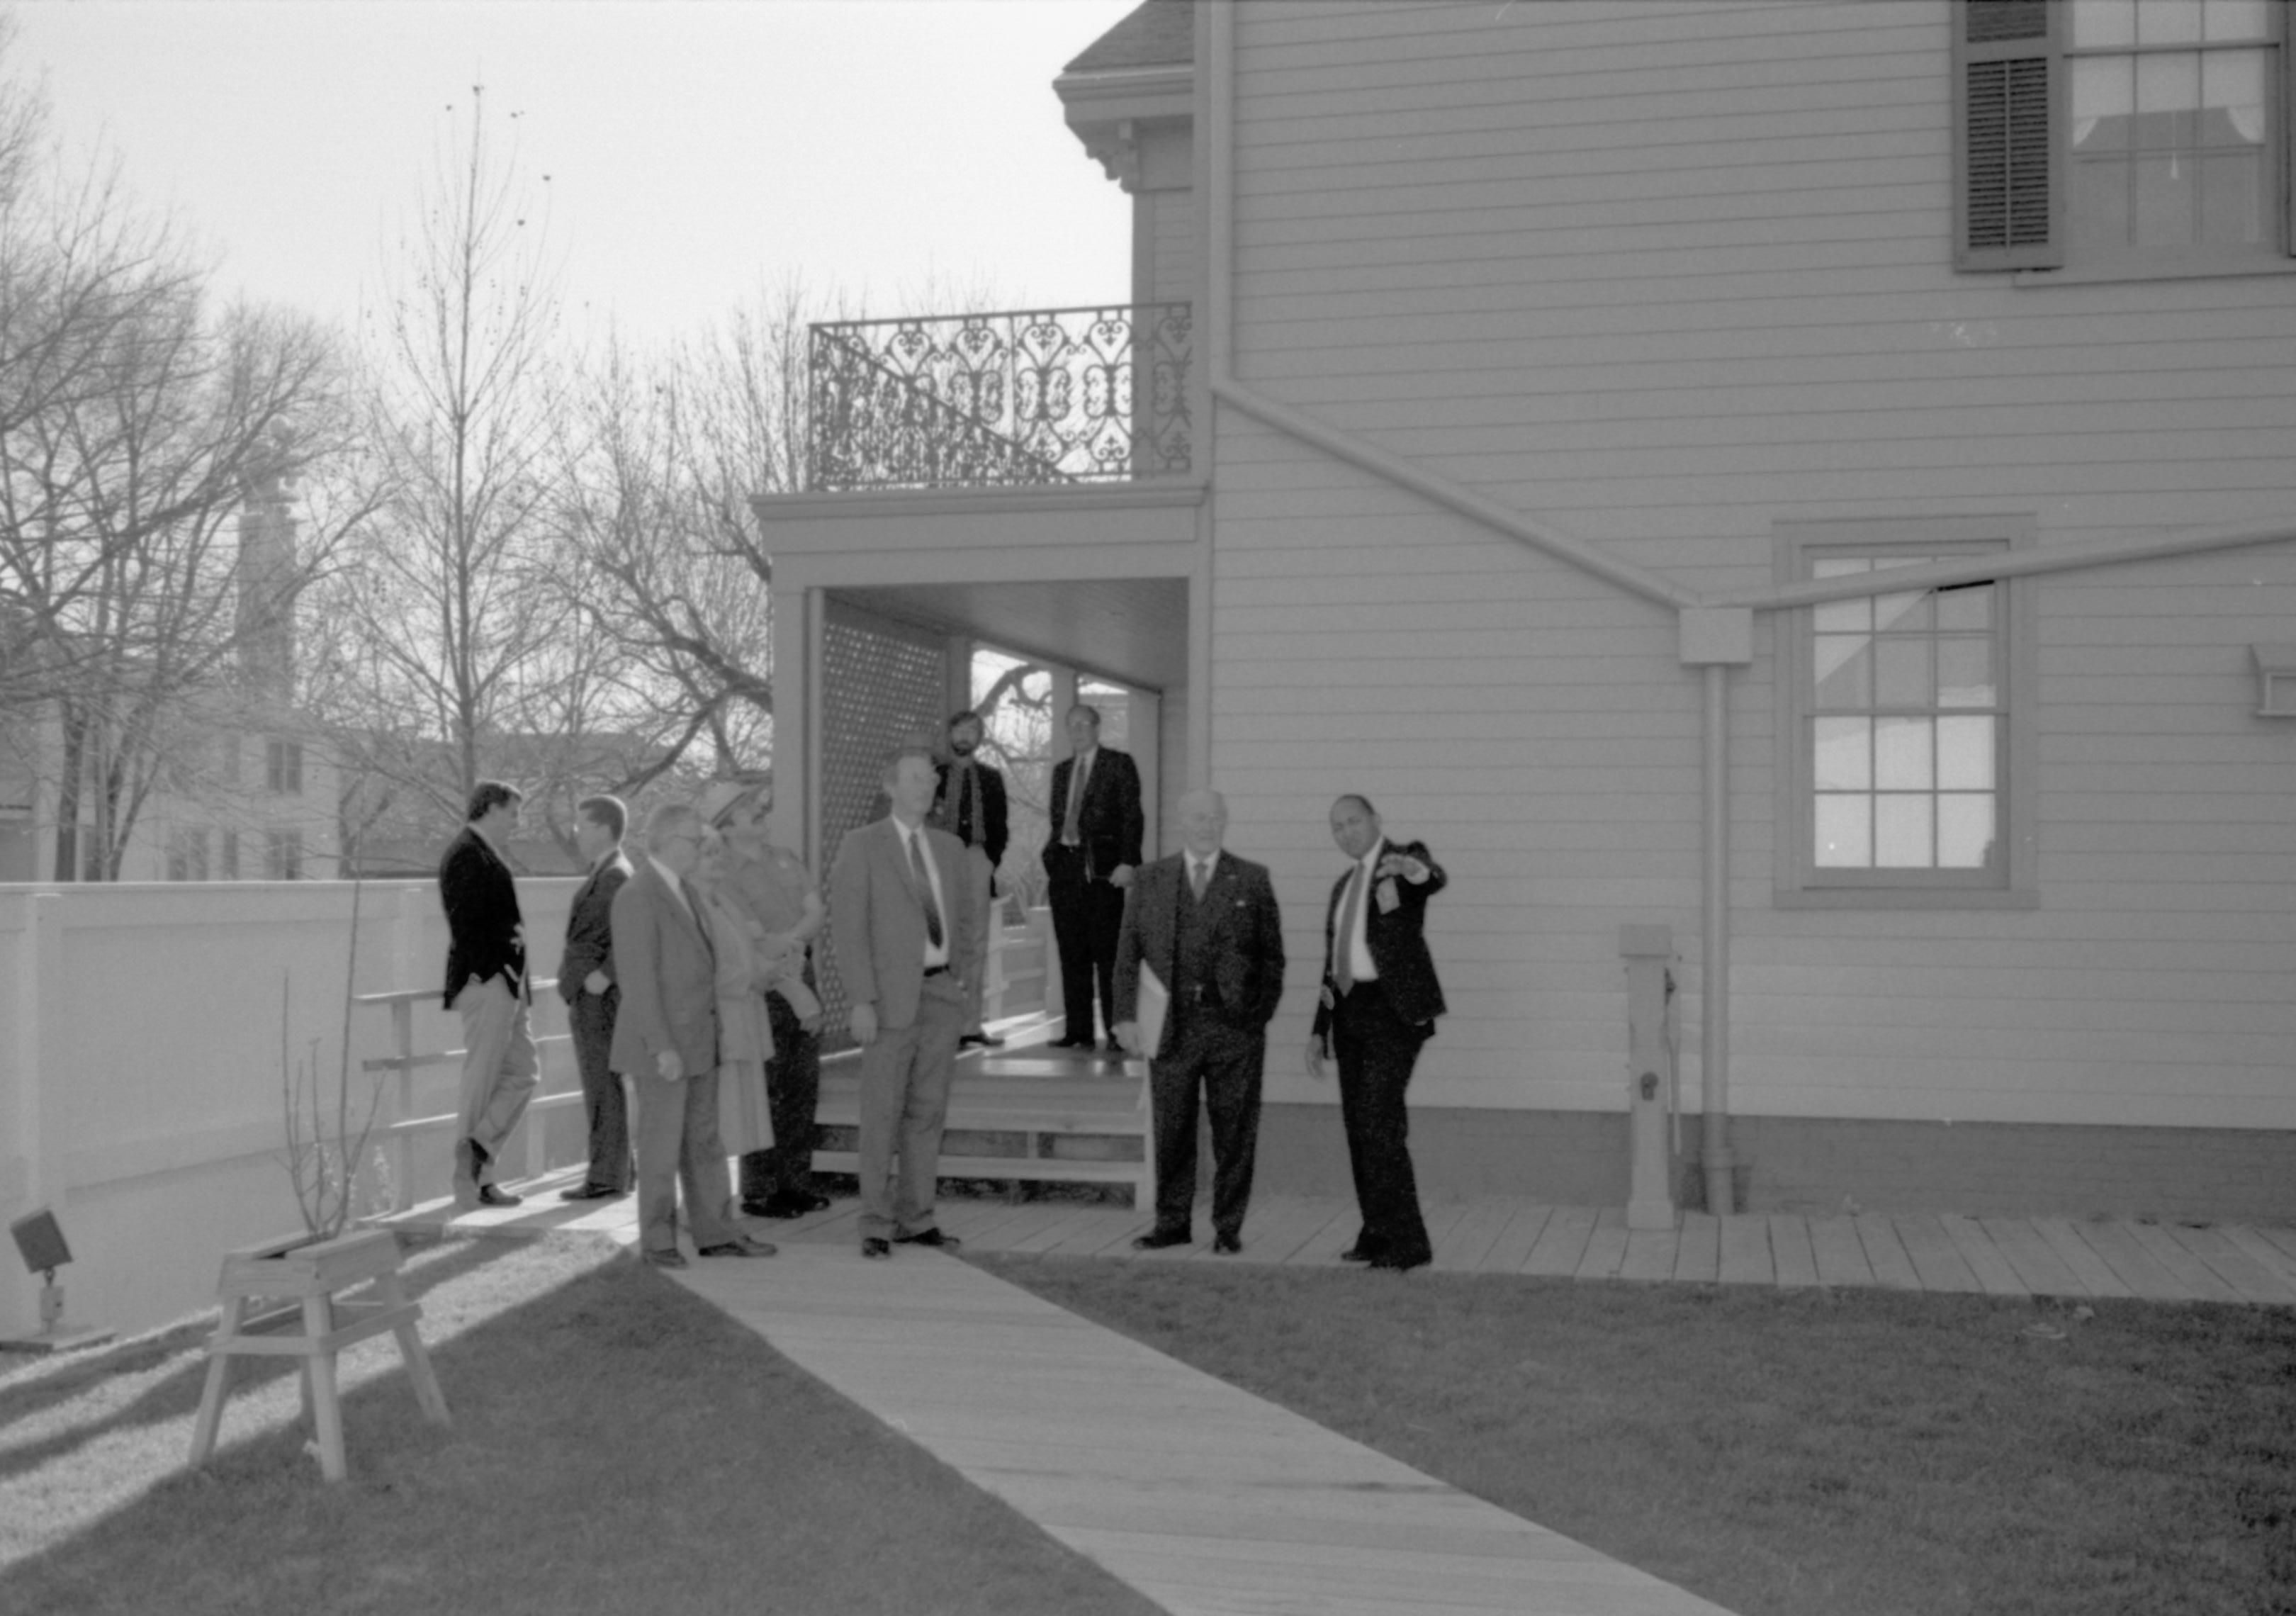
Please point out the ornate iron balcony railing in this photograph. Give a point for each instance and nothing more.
(1028, 397)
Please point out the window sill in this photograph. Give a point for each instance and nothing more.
(2191, 269)
(1902, 898)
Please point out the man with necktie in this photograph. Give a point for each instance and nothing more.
(1206, 923)
(486, 985)
(899, 915)
(586, 981)
(971, 806)
(1088, 863)
(1378, 1005)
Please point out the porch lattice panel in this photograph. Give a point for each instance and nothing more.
(881, 679)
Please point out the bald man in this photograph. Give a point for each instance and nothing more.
(1206, 923)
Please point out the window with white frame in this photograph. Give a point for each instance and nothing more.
(282, 856)
(284, 768)
(1902, 782)
(2137, 136)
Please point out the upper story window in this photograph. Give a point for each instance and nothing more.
(283, 768)
(2136, 135)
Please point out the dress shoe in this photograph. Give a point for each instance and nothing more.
(785, 1206)
(1359, 1252)
(931, 1237)
(591, 1191)
(740, 1248)
(985, 1040)
(873, 1247)
(494, 1195)
(1070, 1044)
(669, 1258)
(1400, 1265)
(1226, 1245)
(1157, 1240)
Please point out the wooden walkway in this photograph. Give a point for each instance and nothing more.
(2053, 1257)
(1209, 1501)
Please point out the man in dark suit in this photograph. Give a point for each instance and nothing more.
(666, 1043)
(1378, 1005)
(970, 807)
(586, 981)
(1206, 923)
(897, 918)
(1089, 859)
(486, 982)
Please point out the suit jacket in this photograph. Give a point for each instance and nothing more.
(877, 920)
(668, 975)
(590, 927)
(1396, 940)
(482, 918)
(1109, 822)
(991, 834)
(1246, 944)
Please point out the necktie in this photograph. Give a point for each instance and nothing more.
(924, 886)
(966, 819)
(1197, 876)
(1343, 941)
(1076, 799)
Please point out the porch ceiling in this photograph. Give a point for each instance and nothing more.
(1133, 630)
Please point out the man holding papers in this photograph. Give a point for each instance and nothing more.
(1203, 924)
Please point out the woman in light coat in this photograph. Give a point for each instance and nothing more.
(745, 1039)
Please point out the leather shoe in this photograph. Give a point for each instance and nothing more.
(876, 1248)
(1157, 1240)
(1226, 1245)
(1359, 1252)
(1400, 1265)
(494, 1195)
(671, 1258)
(1072, 1044)
(930, 1237)
(740, 1248)
(591, 1191)
(985, 1040)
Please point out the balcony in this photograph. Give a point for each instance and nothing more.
(1023, 399)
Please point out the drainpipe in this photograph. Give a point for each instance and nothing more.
(1715, 639)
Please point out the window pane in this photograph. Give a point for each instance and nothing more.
(1845, 832)
(2169, 21)
(1904, 837)
(1903, 675)
(2170, 83)
(1845, 617)
(2232, 197)
(1971, 608)
(1902, 761)
(2163, 201)
(1965, 672)
(1844, 665)
(1965, 831)
(2105, 22)
(2104, 93)
(1904, 613)
(1843, 759)
(1965, 754)
(2235, 20)
(2232, 88)
(2100, 203)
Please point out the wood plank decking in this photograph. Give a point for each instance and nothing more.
(2054, 1257)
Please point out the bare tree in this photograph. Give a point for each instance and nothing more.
(134, 423)
(456, 632)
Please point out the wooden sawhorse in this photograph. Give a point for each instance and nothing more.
(304, 1281)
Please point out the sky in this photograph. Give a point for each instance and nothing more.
(697, 150)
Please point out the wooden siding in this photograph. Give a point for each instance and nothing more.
(1664, 275)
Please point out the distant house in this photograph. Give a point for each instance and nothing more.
(1818, 478)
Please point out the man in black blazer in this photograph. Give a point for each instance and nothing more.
(1378, 1005)
(485, 982)
(1206, 923)
(970, 806)
(586, 981)
(1089, 858)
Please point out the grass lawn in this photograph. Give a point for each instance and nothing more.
(1806, 1453)
(619, 1446)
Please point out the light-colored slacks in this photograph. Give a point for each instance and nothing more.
(904, 1103)
(499, 1066)
(679, 1147)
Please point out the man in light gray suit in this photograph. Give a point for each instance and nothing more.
(899, 918)
(666, 1043)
